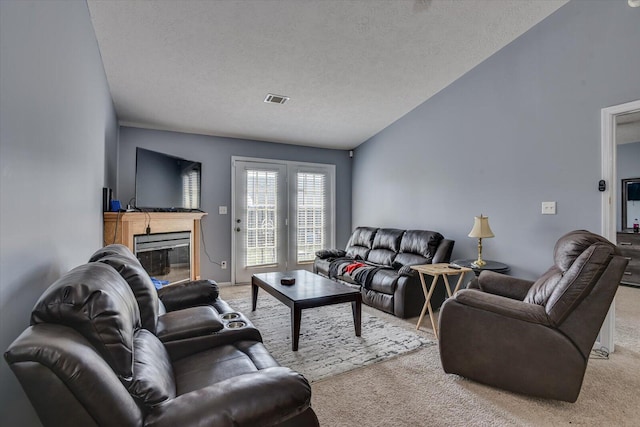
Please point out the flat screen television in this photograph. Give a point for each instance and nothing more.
(165, 182)
(633, 191)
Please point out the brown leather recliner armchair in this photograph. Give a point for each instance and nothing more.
(86, 361)
(533, 337)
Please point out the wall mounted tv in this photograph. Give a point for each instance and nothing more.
(165, 182)
(633, 191)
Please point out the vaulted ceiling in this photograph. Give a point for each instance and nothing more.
(349, 67)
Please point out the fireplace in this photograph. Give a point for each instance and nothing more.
(165, 256)
(127, 227)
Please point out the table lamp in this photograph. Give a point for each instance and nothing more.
(480, 230)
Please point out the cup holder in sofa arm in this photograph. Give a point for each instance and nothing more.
(236, 324)
(233, 320)
(230, 316)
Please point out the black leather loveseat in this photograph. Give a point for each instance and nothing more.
(101, 351)
(378, 260)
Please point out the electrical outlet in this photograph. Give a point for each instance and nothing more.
(223, 265)
(548, 208)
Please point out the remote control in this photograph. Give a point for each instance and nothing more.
(288, 281)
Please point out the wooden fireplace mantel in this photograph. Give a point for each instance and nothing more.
(121, 227)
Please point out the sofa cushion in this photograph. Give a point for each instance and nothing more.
(385, 246)
(138, 279)
(388, 238)
(360, 242)
(220, 363)
(378, 300)
(94, 300)
(418, 247)
(330, 253)
(152, 381)
(384, 281)
(381, 257)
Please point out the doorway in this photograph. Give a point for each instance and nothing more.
(610, 197)
(283, 212)
(260, 220)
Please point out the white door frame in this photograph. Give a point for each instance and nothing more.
(241, 271)
(609, 200)
(332, 219)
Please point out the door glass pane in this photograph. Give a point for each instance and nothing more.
(311, 214)
(262, 217)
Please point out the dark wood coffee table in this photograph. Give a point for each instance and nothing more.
(310, 290)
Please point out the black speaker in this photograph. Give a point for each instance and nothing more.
(107, 195)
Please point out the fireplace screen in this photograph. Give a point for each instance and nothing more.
(165, 256)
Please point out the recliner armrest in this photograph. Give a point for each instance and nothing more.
(188, 294)
(188, 323)
(503, 306)
(264, 398)
(406, 270)
(503, 285)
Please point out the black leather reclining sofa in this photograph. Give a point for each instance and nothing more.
(378, 260)
(104, 349)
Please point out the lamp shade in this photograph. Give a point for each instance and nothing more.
(481, 228)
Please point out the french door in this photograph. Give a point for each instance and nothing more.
(282, 214)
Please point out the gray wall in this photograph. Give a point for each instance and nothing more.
(57, 143)
(215, 154)
(628, 162)
(521, 128)
(628, 166)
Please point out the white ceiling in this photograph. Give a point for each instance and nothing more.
(628, 128)
(350, 67)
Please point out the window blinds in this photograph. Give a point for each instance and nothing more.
(262, 218)
(311, 214)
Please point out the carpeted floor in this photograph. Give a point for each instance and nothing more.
(328, 345)
(412, 390)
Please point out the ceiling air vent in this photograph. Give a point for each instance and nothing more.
(275, 99)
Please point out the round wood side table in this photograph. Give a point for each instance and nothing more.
(496, 266)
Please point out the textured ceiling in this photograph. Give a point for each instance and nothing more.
(350, 67)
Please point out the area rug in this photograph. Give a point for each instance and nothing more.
(328, 345)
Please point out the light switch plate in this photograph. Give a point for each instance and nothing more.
(222, 210)
(548, 208)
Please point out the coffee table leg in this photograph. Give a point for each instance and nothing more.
(356, 309)
(254, 296)
(296, 315)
